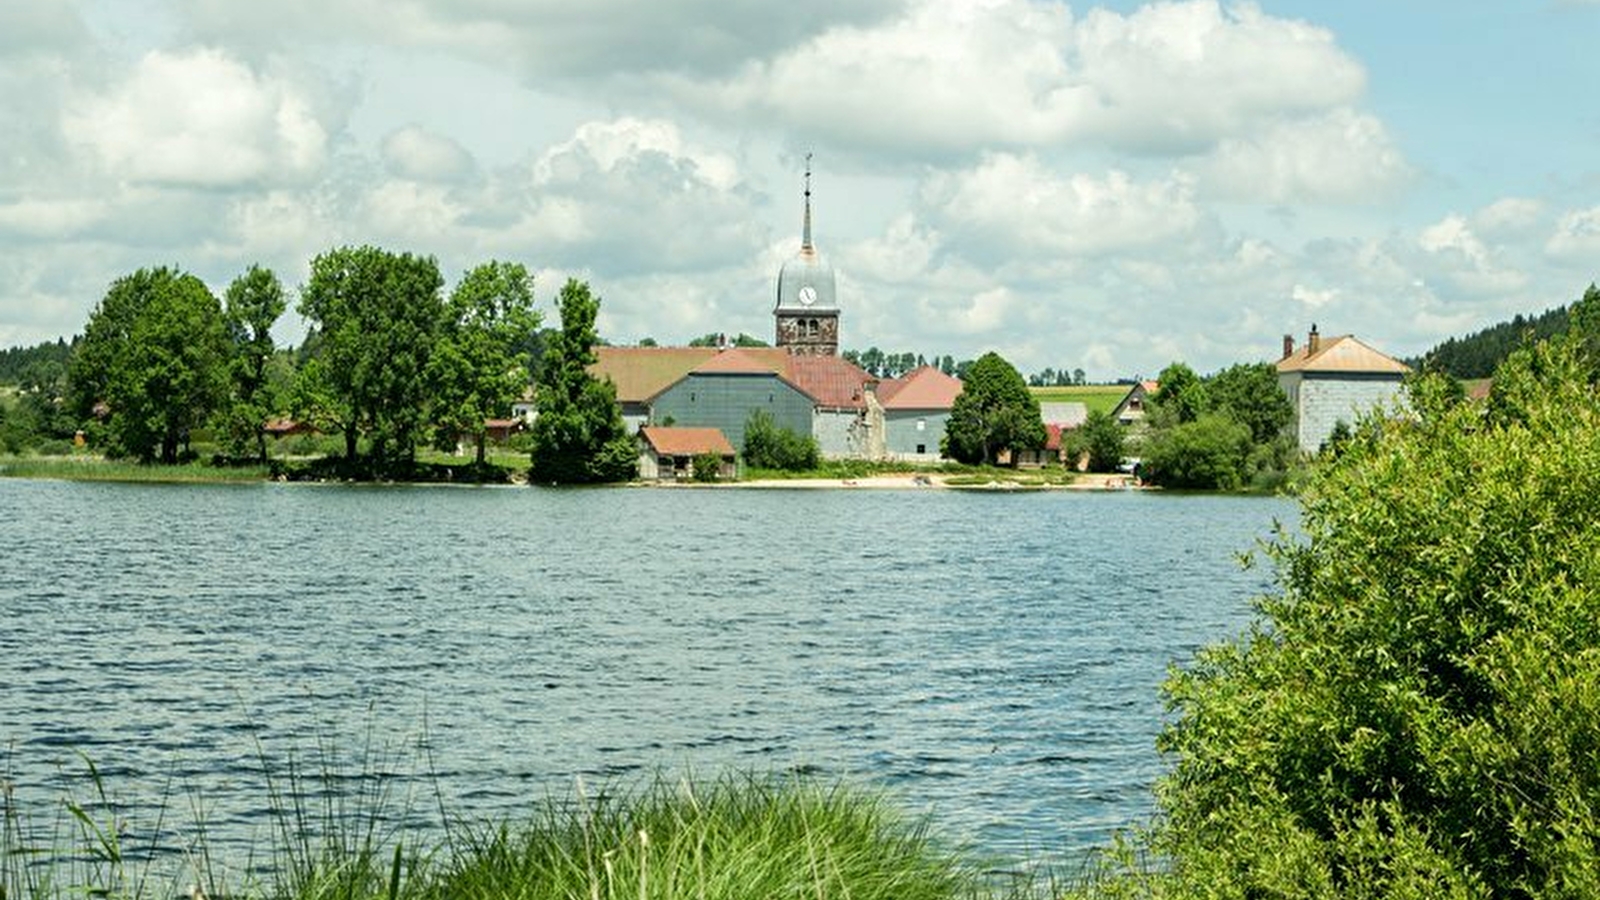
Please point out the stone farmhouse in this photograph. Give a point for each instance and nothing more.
(1335, 379)
(801, 382)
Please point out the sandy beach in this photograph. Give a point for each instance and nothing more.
(923, 481)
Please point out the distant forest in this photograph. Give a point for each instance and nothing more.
(1476, 355)
(36, 364)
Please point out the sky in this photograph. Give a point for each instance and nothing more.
(1109, 186)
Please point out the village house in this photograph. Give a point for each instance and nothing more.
(1332, 380)
(1130, 409)
(916, 409)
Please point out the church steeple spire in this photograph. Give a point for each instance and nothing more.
(805, 236)
(807, 314)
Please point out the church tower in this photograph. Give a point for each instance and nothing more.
(807, 313)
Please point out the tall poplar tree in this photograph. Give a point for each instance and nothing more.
(253, 303)
(579, 436)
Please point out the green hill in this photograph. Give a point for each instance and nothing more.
(1477, 354)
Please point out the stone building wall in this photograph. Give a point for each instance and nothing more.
(1322, 399)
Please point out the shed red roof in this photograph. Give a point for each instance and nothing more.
(670, 441)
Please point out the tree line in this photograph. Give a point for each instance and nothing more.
(390, 361)
(1478, 354)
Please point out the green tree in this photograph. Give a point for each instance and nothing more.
(1584, 318)
(578, 436)
(1181, 395)
(995, 412)
(252, 305)
(717, 339)
(376, 316)
(1102, 438)
(478, 369)
(1209, 453)
(768, 445)
(153, 352)
(106, 336)
(1249, 394)
(1415, 713)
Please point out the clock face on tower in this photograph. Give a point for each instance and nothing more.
(808, 295)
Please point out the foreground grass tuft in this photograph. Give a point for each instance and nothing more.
(735, 837)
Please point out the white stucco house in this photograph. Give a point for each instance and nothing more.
(1334, 379)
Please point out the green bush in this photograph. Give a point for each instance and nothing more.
(770, 446)
(706, 467)
(1416, 713)
(1209, 453)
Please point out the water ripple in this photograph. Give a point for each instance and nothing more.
(992, 660)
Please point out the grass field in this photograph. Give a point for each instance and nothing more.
(1101, 397)
(94, 468)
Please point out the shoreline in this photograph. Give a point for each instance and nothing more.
(914, 481)
(93, 469)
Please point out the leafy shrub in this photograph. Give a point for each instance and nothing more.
(1206, 454)
(1101, 439)
(770, 446)
(706, 466)
(1415, 716)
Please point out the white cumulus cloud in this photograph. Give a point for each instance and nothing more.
(1015, 205)
(418, 154)
(198, 118)
(1341, 156)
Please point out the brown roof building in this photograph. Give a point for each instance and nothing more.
(1333, 380)
(667, 453)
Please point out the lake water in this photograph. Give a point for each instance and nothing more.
(992, 659)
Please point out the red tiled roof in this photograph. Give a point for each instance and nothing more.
(834, 382)
(922, 388)
(670, 441)
(641, 373)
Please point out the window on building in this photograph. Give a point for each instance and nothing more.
(922, 448)
(922, 425)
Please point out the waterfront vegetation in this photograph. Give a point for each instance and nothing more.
(1414, 715)
(86, 467)
(734, 837)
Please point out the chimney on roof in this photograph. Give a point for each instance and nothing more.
(1313, 340)
(1288, 346)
